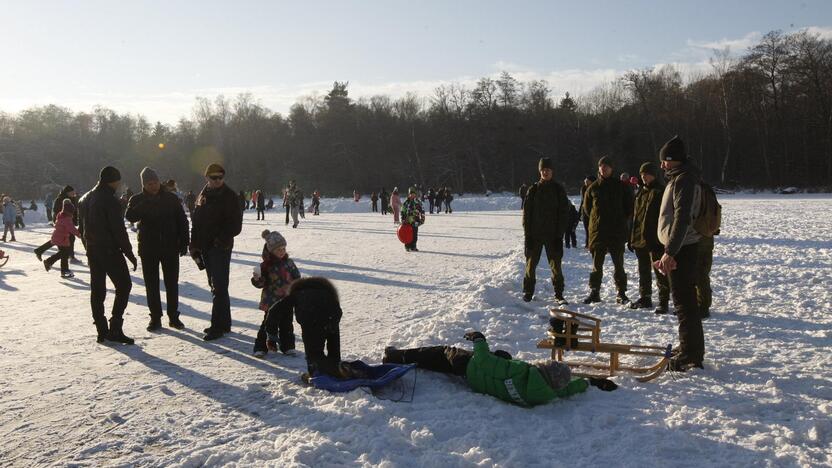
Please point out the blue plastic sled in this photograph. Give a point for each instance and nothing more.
(380, 376)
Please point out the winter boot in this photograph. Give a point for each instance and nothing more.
(67, 274)
(644, 302)
(621, 298)
(155, 324)
(527, 296)
(559, 300)
(594, 296)
(47, 265)
(212, 335)
(392, 356)
(705, 313)
(174, 322)
(662, 308)
(103, 331)
(116, 334)
(683, 364)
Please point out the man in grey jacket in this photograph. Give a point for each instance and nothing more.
(680, 206)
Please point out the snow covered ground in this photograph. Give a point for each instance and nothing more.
(765, 397)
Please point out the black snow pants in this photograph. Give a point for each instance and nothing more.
(104, 264)
(445, 359)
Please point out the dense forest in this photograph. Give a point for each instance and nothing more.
(762, 120)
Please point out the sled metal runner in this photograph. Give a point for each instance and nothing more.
(573, 331)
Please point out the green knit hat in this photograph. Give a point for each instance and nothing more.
(411, 190)
(544, 163)
(648, 168)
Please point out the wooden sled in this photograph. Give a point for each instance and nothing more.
(572, 331)
(3, 259)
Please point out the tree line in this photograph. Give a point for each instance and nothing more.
(761, 120)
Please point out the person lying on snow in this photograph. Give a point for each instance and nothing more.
(497, 374)
(314, 302)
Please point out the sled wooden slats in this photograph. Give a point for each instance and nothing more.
(582, 333)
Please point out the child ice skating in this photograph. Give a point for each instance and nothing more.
(274, 276)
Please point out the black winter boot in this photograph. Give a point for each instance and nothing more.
(116, 334)
(527, 296)
(392, 356)
(174, 322)
(594, 296)
(662, 308)
(621, 298)
(683, 364)
(155, 324)
(644, 302)
(103, 331)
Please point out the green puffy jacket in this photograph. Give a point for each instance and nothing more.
(609, 205)
(646, 217)
(513, 381)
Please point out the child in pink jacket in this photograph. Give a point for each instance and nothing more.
(396, 205)
(60, 239)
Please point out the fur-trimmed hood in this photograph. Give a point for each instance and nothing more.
(314, 283)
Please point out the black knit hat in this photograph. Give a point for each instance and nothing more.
(648, 168)
(673, 150)
(544, 163)
(109, 174)
(606, 160)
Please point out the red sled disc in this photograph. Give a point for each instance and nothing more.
(405, 233)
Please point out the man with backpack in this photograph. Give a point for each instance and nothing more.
(679, 212)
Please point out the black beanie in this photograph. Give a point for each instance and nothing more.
(606, 160)
(648, 168)
(108, 175)
(545, 163)
(673, 150)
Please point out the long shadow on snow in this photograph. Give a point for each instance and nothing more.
(431, 252)
(302, 262)
(391, 233)
(227, 395)
(358, 278)
(4, 273)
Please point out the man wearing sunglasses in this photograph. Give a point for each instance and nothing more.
(217, 219)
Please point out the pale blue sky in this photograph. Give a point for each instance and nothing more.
(154, 57)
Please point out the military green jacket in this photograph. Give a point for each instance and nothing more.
(608, 203)
(646, 217)
(546, 211)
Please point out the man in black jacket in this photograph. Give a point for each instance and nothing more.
(163, 237)
(105, 238)
(680, 201)
(217, 219)
(545, 219)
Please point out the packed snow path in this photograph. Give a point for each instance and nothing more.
(172, 399)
